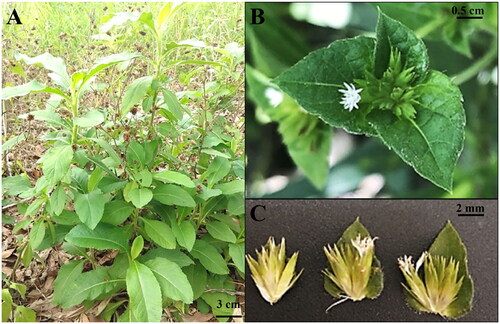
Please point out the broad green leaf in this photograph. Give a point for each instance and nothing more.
(58, 200)
(169, 194)
(9, 144)
(236, 204)
(90, 119)
(24, 314)
(216, 153)
(207, 193)
(168, 176)
(144, 178)
(172, 103)
(307, 138)
(55, 64)
(67, 217)
(449, 244)
(160, 233)
(90, 285)
(51, 117)
(34, 207)
(30, 87)
(90, 207)
(136, 154)
(7, 304)
(431, 143)
(209, 257)
(315, 80)
(94, 179)
(135, 92)
(176, 256)
(137, 247)
(237, 253)
(116, 212)
(65, 277)
(108, 148)
(197, 276)
(231, 187)
(14, 185)
(56, 162)
(173, 282)
(36, 234)
(103, 236)
(107, 61)
(20, 288)
(221, 231)
(140, 197)
(144, 293)
(110, 309)
(392, 34)
(118, 19)
(184, 233)
(217, 170)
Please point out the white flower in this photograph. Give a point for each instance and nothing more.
(363, 245)
(351, 96)
(274, 96)
(405, 263)
(420, 261)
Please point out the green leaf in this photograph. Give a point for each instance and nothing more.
(107, 61)
(144, 292)
(392, 33)
(431, 143)
(56, 162)
(140, 197)
(168, 176)
(217, 170)
(144, 178)
(103, 236)
(37, 234)
(24, 314)
(90, 207)
(307, 138)
(173, 282)
(221, 231)
(7, 304)
(90, 285)
(14, 185)
(67, 217)
(135, 92)
(108, 148)
(65, 277)
(209, 257)
(169, 194)
(116, 212)
(136, 154)
(91, 118)
(184, 233)
(58, 200)
(237, 253)
(51, 117)
(160, 233)
(172, 103)
(55, 64)
(449, 244)
(197, 276)
(94, 179)
(137, 247)
(9, 144)
(232, 187)
(176, 256)
(315, 80)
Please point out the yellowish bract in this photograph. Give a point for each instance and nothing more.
(271, 272)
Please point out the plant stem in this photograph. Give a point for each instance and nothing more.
(477, 67)
(429, 27)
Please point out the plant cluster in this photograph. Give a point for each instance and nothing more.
(152, 185)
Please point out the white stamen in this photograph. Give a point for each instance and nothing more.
(351, 96)
(363, 245)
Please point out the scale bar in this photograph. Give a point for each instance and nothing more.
(470, 214)
(469, 17)
(229, 316)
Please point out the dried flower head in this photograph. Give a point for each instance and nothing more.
(272, 274)
(351, 267)
(438, 284)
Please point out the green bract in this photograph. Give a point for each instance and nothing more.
(444, 286)
(415, 111)
(353, 270)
